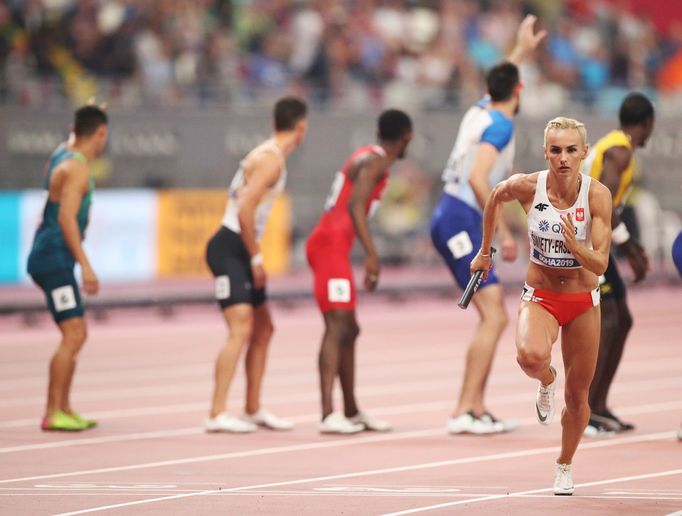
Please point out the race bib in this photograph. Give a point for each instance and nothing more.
(335, 191)
(222, 287)
(64, 298)
(460, 245)
(338, 290)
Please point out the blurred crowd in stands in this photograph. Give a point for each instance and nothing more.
(341, 54)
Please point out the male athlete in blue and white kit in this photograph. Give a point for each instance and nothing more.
(482, 156)
(57, 247)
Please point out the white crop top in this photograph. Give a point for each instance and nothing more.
(231, 217)
(547, 244)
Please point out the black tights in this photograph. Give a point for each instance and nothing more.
(616, 322)
(337, 357)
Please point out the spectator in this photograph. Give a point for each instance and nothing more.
(355, 53)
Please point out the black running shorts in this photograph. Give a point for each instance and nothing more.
(611, 284)
(230, 264)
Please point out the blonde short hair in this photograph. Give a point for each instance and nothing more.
(561, 122)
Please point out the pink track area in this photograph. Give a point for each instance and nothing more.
(148, 379)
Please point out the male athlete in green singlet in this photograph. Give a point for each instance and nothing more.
(57, 247)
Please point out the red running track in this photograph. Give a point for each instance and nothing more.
(148, 380)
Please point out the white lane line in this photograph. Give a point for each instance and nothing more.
(298, 494)
(280, 375)
(607, 497)
(376, 390)
(309, 394)
(105, 439)
(307, 418)
(414, 467)
(277, 378)
(337, 442)
(657, 474)
(76, 495)
(91, 380)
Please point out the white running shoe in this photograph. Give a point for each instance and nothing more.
(504, 425)
(470, 424)
(597, 429)
(563, 480)
(544, 401)
(371, 423)
(226, 423)
(267, 420)
(336, 423)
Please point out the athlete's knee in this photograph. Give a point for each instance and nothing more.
(496, 318)
(75, 334)
(491, 309)
(268, 328)
(531, 359)
(352, 331)
(343, 326)
(262, 332)
(576, 399)
(241, 325)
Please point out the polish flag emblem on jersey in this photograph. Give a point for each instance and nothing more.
(580, 214)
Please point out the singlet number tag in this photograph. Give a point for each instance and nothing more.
(338, 290)
(460, 245)
(222, 287)
(335, 191)
(373, 208)
(64, 298)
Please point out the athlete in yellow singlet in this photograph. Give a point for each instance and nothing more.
(611, 161)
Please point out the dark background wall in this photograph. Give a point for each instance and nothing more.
(198, 148)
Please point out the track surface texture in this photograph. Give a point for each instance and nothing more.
(147, 380)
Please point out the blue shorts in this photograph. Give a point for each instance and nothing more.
(456, 231)
(677, 253)
(62, 294)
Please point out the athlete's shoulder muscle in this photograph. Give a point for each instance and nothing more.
(263, 168)
(600, 198)
(617, 159)
(368, 163)
(69, 174)
(521, 187)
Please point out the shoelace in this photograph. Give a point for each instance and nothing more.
(564, 468)
(545, 397)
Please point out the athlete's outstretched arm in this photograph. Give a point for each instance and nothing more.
(75, 184)
(264, 173)
(595, 259)
(526, 40)
(616, 161)
(369, 173)
(520, 187)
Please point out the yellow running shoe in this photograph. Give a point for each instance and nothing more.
(62, 422)
(88, 423)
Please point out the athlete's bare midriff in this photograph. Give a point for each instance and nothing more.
(568, 281)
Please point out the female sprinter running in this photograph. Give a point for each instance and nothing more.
(569, 225)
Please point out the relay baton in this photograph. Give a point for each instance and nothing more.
(472, 286)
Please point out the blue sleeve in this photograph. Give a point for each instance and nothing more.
(499, 133)
(483, 102)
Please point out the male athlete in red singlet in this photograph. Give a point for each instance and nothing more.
(355, 194)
